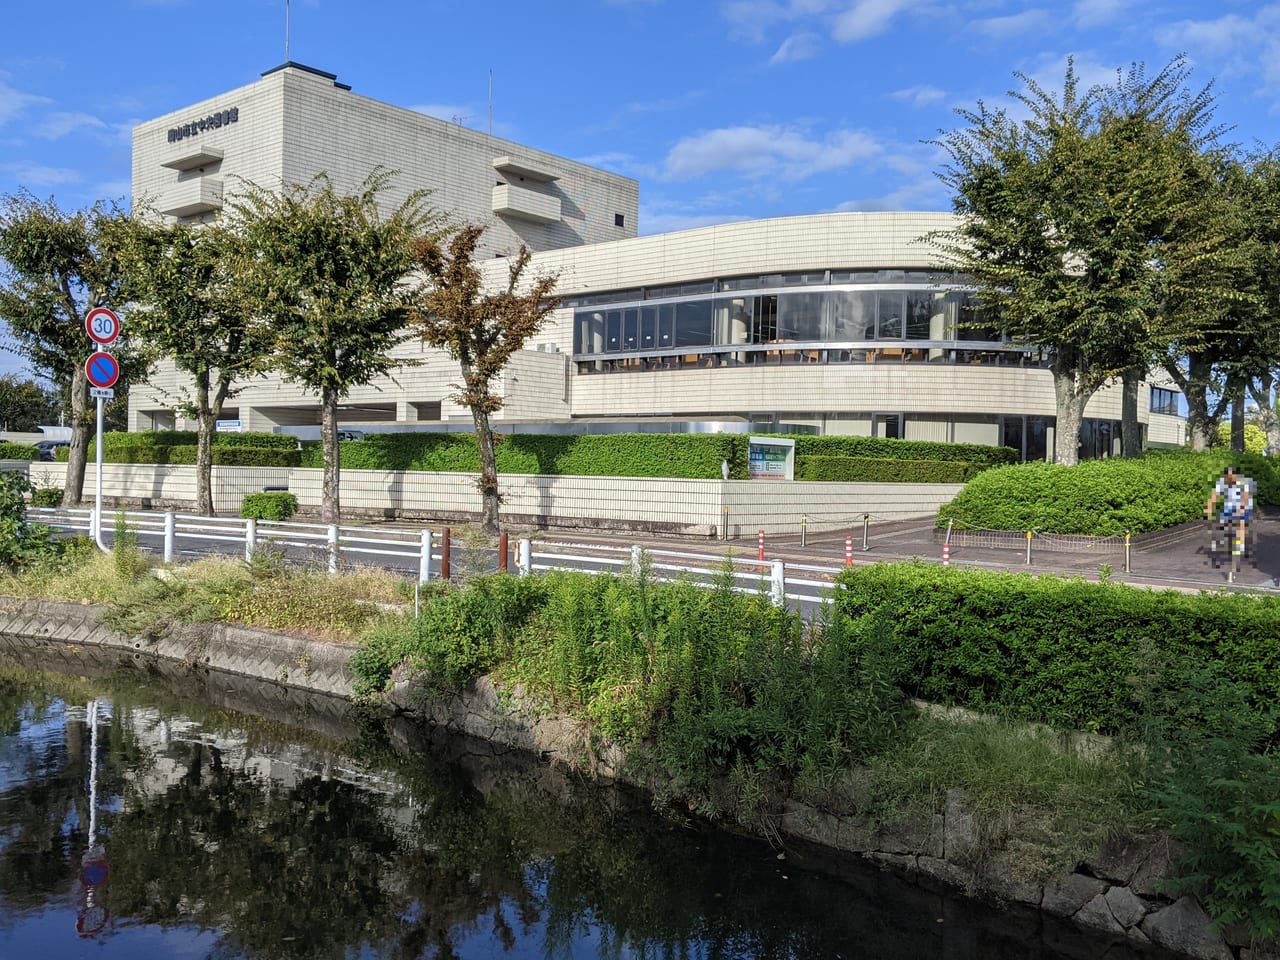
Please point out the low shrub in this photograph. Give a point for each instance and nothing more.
(276, 505)
(1103, 497)
(46, 497)
(878, 470)
(17, 451)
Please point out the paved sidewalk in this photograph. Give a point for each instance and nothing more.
(1176, 559)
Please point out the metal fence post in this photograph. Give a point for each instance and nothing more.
(866, 527)
(524, 563)
(724, 533)
(1127, 540)
(444, 554)
(170, 526)
(333, 548)
(424, 558)
(250, 539)
(804, 526)
(1028, 548)
(502, 552)
(778, 584)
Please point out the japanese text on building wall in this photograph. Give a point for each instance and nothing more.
(211, 122)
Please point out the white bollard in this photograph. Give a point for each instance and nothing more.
(778, 584)
(524, 557)
(424, 558)
(170, 527)
(250, 539)
(333, 549)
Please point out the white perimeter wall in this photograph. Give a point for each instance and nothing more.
(696, 507)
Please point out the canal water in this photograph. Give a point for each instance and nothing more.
(157, 813)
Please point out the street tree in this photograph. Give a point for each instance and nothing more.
(1071, 218)
(479, 329)
(54, 268)
(176, 279)
(322, 272)
(25, 404)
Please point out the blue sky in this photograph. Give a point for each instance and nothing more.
(722, 110)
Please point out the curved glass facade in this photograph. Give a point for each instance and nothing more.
(831, 318)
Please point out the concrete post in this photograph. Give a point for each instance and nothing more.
(778, 584)
(424, 558)
(170, 525)
(250, 538)
(333, 549)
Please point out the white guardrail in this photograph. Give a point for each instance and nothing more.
(171, 534)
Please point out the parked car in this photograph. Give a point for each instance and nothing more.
(48, 448)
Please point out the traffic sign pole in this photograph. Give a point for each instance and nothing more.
(102, 324)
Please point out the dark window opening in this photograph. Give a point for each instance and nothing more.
(618, 220)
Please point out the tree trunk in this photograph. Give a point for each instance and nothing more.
(1070, 395)
(78, 453)
(1236, 390)
(205, 422)
(1130, 430)
(329, 507)
(1267, 418)
(1195, 384)
(488, 470)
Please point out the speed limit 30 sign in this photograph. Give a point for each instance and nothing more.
(102, 325)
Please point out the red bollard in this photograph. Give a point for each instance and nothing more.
(848, 551)
(946, 554)
(444, 554)
(502, 553)
(761, 556)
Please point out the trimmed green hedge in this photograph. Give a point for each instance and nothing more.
(883, 448)
(181, 438)
(685, 456)
(17, 451)
(879, 470)
(228, 456)
(1069, 653)
(1103, 497)
(277, 505)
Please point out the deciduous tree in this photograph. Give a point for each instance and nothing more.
(176, 276)
(481, 330)
(323, 272)
(1080, 221)
(54, 267)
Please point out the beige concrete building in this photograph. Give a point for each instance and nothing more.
(296, 122)
(829, 324)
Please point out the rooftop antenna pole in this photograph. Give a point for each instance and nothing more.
(286, 31)
(491, 101)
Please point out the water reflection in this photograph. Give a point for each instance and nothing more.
(292, 831)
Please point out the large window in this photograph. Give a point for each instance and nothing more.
(1166, 402)
(804, 315)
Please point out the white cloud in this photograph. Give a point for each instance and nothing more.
(14, 102)
(1088, 14)
(751, 20)
(767, 151)
(921, 95)
(1216, 37)
(867, 18)
(801, 46)
(34, 175)
(1012, 27)
(55, 126)
(921, 194)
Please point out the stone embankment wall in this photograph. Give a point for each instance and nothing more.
(1113, 894)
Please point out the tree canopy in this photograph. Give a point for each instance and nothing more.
(1082, 220)
(481, 330)
(322, 273)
